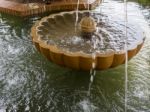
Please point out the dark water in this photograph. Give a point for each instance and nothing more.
(29, 83)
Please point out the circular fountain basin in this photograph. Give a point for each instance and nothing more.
(57, 38)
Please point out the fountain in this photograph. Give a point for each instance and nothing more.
(29, 82)
(90, 46)
(54, 36)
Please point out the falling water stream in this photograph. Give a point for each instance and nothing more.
(126, 55)
(77, 17)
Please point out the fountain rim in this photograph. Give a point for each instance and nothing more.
(52, 49)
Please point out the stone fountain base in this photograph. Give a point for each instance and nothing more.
(23, 9)
(82, 61)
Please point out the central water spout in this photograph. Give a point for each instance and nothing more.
(87, 26)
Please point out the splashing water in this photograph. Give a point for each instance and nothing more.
(86, 106)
